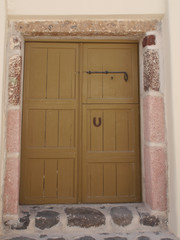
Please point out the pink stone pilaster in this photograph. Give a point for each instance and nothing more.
(12, 171)
(13, 131)
(155, 175)
(11, 186)
(154, 125)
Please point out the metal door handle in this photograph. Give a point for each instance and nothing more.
(107, 72)
(94, 122)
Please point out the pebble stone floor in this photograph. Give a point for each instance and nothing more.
(87, 222)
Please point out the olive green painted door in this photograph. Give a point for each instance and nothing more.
(80, 133)
(111, 158)
(49, 133)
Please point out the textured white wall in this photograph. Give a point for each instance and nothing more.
(172, 52)
(2, 73)
(172, 60)
(85, 7)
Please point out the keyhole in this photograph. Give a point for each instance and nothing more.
(112, 77)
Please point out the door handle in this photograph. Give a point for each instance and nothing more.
(94, 122)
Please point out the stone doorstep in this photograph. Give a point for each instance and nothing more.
(85, 218)
(163, 235)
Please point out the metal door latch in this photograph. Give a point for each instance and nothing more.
(107, 72)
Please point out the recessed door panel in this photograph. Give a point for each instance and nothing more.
(110, 73)
(114, 157)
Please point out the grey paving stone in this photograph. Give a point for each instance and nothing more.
(85, 238)
(121, 216)
(143, 238)
(43, 236)
(35, 207)
(56, 239)
(21, 238)
(115, 238)
(149, 220)
(84, 217)
(166, 239)
(46, 219)
(23, 222)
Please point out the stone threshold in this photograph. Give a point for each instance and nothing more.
(85, 219)
(160, 235)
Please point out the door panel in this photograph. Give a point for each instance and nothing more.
(66, 179)
(110, 88)
(110, 164)
(52, 126)
(49, 134)
(37, 73)
(118, 127)
(127, 186)
(67, 126)
(50, 178)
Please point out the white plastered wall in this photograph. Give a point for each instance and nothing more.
(172, 74)
(3, 27)
(115, 9)
(85, 7)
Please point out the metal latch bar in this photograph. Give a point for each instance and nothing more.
(108, 72)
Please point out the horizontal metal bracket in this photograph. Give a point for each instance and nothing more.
(107, 72)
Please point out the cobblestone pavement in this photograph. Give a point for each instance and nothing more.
(87, 222)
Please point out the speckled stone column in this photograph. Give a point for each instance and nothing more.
(154, 126)
(11, 183)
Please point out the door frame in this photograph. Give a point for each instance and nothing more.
(136, 28)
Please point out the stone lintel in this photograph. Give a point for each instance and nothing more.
(86, 27)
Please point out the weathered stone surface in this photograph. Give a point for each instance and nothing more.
(149, 40)
(11, 183)
(115, 238)
(143, 238)
(155, 176)
(55, 239)
(149, 220)
(13, 139)
(46, 219)
(15, 43)
(84, 217)
(87, 27)
(154, 122)
(23, 222)
(86, 238)
(121, 216)
(15, 68)
(166, 239)
(151, 70)
(35, 207)
(21, 238)
(43, 236)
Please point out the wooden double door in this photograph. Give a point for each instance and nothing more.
(80, 131)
